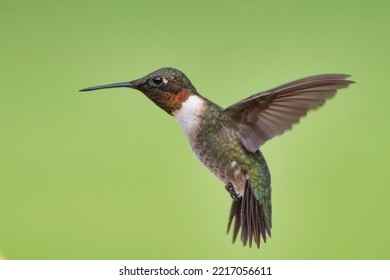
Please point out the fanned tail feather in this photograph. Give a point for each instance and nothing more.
(250, 217)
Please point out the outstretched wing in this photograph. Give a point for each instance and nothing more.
(265, 115)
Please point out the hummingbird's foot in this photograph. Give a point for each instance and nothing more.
(230, 190)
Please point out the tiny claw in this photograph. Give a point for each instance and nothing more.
(230, 190)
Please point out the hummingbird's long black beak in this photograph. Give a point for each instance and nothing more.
(123, 84)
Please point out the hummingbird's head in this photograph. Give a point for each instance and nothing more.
(166, 87)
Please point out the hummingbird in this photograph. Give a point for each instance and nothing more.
(227, 140)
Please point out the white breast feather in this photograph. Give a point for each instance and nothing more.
(189, 114)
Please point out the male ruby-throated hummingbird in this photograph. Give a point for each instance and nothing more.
(227, 140)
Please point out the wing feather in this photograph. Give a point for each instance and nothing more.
(265, 115)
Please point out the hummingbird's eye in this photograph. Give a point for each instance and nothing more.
(157, 81)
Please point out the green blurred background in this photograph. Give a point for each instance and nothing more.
(108, 175)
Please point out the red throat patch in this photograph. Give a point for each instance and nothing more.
(168, 101)
(176, 100)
